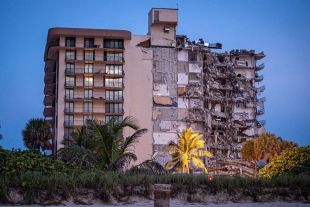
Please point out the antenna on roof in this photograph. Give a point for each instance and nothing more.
(177, 5)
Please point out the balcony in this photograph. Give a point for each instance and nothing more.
(81, 97)
(114, 59)
(70, 57)
(262, 99)
(91, 71)
(262, 122)
(114, 85)
(49, 89)
(114, 111)
(261, 89)
(260, 67)
(49, 100)
(74, 123)
(83, 84)
(258, 78)
(51, 122)
(54, 43)
(84, 110)
(49, 112)
(260, 112)
(259, 56)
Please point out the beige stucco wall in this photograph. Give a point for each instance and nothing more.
(138, 93)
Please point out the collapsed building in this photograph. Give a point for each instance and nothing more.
(166, 81)
(214, 93)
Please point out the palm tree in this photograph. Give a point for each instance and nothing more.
(287, 144)
(1, 137)
(76, 151)
(268, 145)
(104, 145)
(37, 134)
(113, 150)
(187, 152)
(249, 154)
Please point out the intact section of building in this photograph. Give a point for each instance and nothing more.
(166, 81)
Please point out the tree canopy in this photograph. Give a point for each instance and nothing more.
(37, 134)
(187, 152)
(102, 144)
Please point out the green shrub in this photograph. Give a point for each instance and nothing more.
(288, 160)
(15, 162)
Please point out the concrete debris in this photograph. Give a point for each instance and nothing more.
(162, 100)
(214, 93)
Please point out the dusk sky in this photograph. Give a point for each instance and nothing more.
(280, 28)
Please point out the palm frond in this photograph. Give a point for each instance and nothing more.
(123, 161)
(199, 163)
(132, 140)
(148, 166)
(78, 155)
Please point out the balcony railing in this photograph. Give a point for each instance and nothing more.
(115, 110)
(114, 85)
(70, 57)
(75, 123)
(82, 97)
(120, 98)
(260, 67)
(258, 78)
(83, 83)
(90, 71)
(262, 99)
(114, 59)
(260, 111)
(69, 123)
(261, 89)
(54, 43)
(84, 110)
(89, 57)
(69, 97)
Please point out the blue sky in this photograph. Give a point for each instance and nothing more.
(279, 28)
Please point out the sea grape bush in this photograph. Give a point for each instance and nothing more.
(286, 162)
(17, 161)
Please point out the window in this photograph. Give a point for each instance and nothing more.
(114, 69)
(89, 42)
(88, 68)
(69, 107)
(88, 107)
(70, 67)
(68, 120)
(118, 118)
(70, 41)
(70, 55)
(88, 81)
(114, 108)
(114, 82)
(88, 55)
(113, 95)
(68, 133)
(69, 94)
(70, 81)
(113, 43)
(86, 118)
(113, 56)
(156, 16)
(88, 93)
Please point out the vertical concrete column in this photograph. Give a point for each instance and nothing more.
(162, 195)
